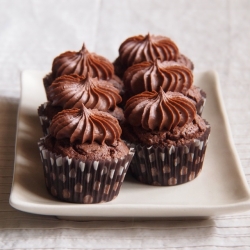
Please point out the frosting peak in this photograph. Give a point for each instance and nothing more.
(80, 63)
(83, 50)
(159, 111)
(85, 126)
(151, 76)
(70, 91)
(147, 48)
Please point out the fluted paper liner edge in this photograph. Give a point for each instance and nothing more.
(77, 181)
(168, 166)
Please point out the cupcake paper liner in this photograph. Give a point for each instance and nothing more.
(77, 181)
(44, 120)
(168, 166)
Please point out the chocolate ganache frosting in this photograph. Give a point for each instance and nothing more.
(140, 48)
(153, 75)
(85, 126)
(162, 119)
(159, 111)
(70, 91)
(146, 48)
(80, 63)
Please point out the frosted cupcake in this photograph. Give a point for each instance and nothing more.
(168, 75)
(84, 159)
(170, 139)
(82, 63)
(71, 91)
(140, 48)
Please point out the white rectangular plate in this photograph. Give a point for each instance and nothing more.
(220, 188)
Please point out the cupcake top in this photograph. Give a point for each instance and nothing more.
(140, 48)
(82, 125)
(153, 75)
(81, 63)
(86, 134)
(147, 48)
(163, 118)
(159, 111)
(71, 91)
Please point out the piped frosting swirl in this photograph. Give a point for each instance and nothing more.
(151, 76)
(147, 48)
(70, 91)
(81, 62)
(85, 126)
(159, 111)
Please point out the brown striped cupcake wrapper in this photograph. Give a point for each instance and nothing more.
(77, 181)
(44, 120)
(170, 165)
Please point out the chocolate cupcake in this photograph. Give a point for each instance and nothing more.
(71, 91)
(140, 48)
(168, 75)
(82, 63)
(84, 159)
(169, 137)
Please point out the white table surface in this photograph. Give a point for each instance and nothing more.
(214, 34)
